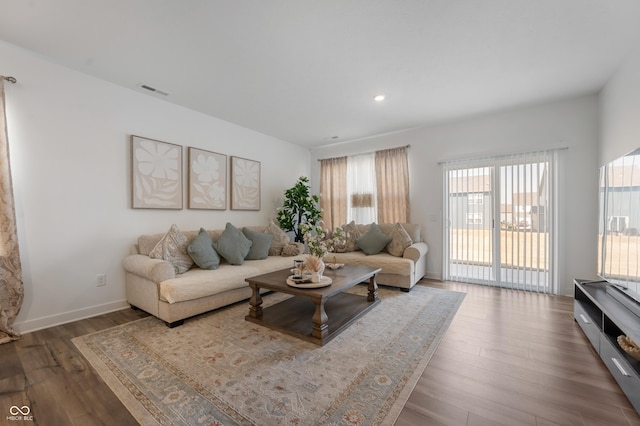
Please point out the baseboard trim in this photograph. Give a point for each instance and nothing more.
(67, 317)
(433, 277)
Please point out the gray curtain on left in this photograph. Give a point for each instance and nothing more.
(11, 289)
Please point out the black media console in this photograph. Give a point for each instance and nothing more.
(603, 317)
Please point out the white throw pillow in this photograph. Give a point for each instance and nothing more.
(400, 240)
(280, 239)
(173, 248)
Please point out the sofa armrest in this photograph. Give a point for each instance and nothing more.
(155, 270)
(415, 251)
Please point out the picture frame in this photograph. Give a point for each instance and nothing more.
(207, 180)
(245, 184)
(156, 174)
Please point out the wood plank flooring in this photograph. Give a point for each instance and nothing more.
(515, 358)
(508, 358)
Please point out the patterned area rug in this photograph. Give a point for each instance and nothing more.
(218, 369)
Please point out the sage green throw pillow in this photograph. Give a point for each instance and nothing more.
(202, 252)
(232, 245)
(374, 240)
(260, 244)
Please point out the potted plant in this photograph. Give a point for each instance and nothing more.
(299, 207)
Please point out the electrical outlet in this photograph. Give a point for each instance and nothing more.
(101, 280)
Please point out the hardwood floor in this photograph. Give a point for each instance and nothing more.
(515, 358)
(508, 358)
(44, 371)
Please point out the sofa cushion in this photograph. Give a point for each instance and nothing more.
(374, 240)
(352, 234)
(202, 252)
(260, 244)
(172, 247)
(198, 283)
(414, 231)
(292, 249)
(146, 243)
(232, 245)
(400, 240)
(389, 264)
(280, 239)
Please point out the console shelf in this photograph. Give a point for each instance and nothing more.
(603, 319)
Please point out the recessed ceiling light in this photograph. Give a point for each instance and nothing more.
(378, 98)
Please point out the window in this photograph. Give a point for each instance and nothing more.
(474, 218)
(475, 198)
(376, 188)
(361, 189)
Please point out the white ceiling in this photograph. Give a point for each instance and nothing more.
(306, 71)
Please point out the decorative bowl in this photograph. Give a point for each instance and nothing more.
(629, 346)
(335, 266)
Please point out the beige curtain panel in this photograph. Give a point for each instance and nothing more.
(333, 191)
(392, 178)
(11, 289)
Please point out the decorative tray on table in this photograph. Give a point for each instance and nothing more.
(307, 283)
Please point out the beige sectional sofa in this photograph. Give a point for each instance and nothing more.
(154, 285)
(158, 287)
(403, 269)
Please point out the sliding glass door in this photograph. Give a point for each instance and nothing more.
(470, 207)
(500, 220)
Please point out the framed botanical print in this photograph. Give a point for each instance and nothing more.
(207, 180)
(245, 184)
(156, 174)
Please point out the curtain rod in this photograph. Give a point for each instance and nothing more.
(368, 152)
(9, 79)
(483, 157)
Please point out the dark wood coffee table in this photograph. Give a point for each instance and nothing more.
(314, 314)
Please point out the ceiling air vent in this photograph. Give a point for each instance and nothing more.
(154, 90)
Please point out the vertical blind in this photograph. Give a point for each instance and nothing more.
(501, 217)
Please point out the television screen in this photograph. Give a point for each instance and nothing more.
(619, 221)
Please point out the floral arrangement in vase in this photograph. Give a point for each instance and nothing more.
(319, 245)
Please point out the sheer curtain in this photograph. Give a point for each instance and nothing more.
(362, 204)
(392, 172)
(333, 191)
(11, 289)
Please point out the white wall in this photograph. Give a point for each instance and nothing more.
(569, 124)
(620, 111)
(70, 154)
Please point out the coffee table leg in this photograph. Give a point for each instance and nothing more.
(255, 310)
(373, 289)
(319, 322)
